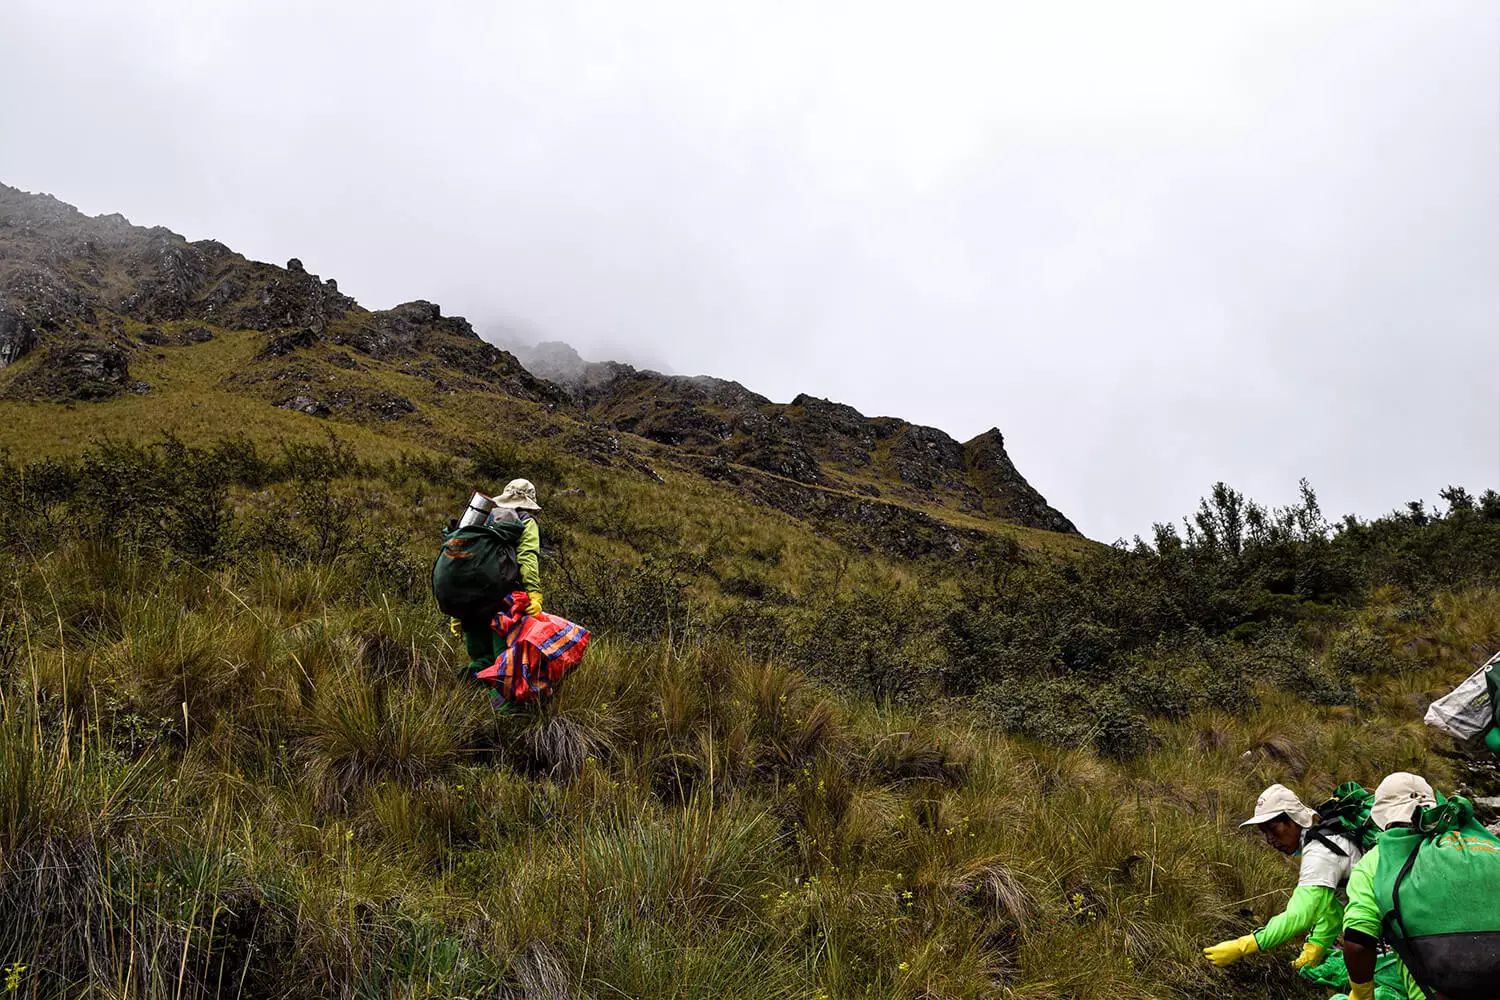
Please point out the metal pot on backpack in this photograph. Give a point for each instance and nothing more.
(478, 512)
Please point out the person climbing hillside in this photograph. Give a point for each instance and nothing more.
(488, 579)
(517, 505)
(1430, 887)
(1329, 846)
(482, 564)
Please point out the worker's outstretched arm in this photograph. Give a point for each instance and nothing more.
(1308, 905)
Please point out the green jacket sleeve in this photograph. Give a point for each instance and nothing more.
(1308, 906)
(1362, 914)
(528, 551)
(1330, 922)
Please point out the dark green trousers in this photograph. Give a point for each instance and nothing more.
(482, 642)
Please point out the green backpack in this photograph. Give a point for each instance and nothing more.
(1438, 888)
(476, 570)
(1345, 814)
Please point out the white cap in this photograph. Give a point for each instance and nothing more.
(518, 493)
(1398, 796)
(1280, 800)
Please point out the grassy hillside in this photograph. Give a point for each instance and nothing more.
(237, 757)
(852, 725)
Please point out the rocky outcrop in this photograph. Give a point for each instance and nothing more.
(87, 291)
(399, 332)
(37, 301)
(157, 337)
(367, 403)
(814, 441)
(62, 273)
(85, 372)
(1006, 494)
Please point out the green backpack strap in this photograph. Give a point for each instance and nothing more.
(1396, 928)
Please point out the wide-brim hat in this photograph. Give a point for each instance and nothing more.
(1398, 797)
(1279, 800)
(518, 493)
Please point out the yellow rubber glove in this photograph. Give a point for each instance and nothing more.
(535, 607)
(455, 627)
(1362, 991)
(1312, 955)
(1228, 952)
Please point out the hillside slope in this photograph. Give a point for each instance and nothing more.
(878, 749)
(95, 309)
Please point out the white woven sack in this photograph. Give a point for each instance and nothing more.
(1465, 711)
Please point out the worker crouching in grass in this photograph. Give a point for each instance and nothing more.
(1329, 846)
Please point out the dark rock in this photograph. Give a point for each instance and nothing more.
(140, 388)
(302, 403)
(35, 301)
(156, 337)
(213, 250)
(1006, 494)
(17, 336)
(295, 266)
(84, 372)
(285, 343)
(400, 332)
(172, 274)
(835, 430)
(925, 457)
(389, 406)
(784, 456)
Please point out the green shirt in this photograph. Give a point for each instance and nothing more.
(1363, 913)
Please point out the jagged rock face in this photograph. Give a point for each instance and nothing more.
(60, 268)
(35, 301)
(62, 272)
(814, 442)
(17, 336)
(86, 372)
(1006, 492)
(401, 332)
(836, 431)
(85, 292)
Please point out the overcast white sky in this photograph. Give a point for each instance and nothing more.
(1157, 244)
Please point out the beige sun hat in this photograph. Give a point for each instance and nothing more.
(1280, 800)
(518, 493)
(1398, 796)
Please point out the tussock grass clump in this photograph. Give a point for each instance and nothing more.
(360, 730)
